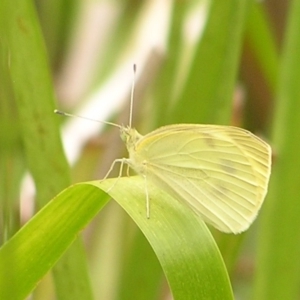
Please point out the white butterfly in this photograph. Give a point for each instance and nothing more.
(221, 172)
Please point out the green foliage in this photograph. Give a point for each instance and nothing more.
(126, 255)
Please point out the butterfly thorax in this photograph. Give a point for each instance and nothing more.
(131, 139)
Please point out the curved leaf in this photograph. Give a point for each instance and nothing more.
(184, 246)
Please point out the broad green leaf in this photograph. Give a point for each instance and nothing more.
(184, 246)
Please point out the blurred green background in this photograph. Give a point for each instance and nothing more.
(207, 61)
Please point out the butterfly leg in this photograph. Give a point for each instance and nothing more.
(147, 198)
(121, 161)
(127, 172)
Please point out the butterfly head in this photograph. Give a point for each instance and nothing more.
(129, 136)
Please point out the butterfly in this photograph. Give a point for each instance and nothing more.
(220, 172)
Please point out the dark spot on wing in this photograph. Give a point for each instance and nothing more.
(228, 166)
(209, 140)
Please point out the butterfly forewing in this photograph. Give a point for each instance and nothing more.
(222, 172)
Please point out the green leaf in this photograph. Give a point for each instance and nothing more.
(32, 88)
(184, 246)
(278, 267)
(212, 77)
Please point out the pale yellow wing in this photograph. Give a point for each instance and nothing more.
(221, 172)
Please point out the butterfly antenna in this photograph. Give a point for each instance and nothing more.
(59, 112)
(131, 96)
